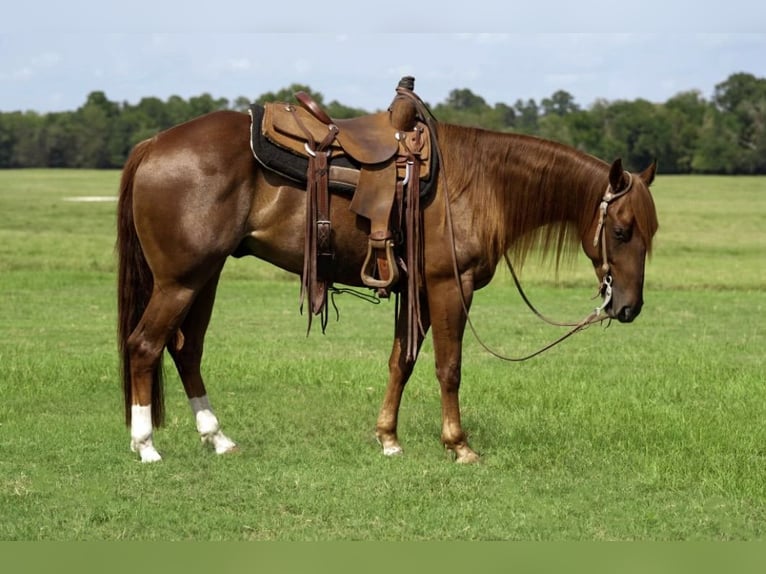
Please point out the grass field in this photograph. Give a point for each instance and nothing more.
(649, 431)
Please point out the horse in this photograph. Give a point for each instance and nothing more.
(193, 195)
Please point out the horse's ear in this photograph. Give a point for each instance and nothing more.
(616, 173)
(648, 174)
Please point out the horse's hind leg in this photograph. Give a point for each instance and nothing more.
(186, 350)
(165, 311)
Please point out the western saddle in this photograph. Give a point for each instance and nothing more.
(383, 157)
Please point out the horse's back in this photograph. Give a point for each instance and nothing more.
(209, 139)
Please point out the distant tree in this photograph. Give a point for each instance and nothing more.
(686, 133)
(742, 98)
(22, 137)
(61, 140)
(241, 104)
(465, 101)
(288, 95)
(555, 127)
(337, 110)
(684, 115)
(155, 113)
(91, 128)
(527, 116)
(554, 122)
(560, 103)
(738, 89)
(129, 128)
(717, 149)
(205, 103)
(8, 138)
(506, 116)
(632, 130)
(177, 110)
(585, 129)
(465, 108)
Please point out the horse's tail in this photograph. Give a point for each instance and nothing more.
(134, 285)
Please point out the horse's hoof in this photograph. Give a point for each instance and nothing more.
(390, 444)
(233, 449)
(220, 442)
(395, 450)
(465, 455)
(471, 458)
(148, 454)
(146, 450)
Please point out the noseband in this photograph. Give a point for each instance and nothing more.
(605, 289)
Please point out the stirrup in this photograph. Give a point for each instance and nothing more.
(368, 267)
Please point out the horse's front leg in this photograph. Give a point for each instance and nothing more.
(399, 371)
(448, 321)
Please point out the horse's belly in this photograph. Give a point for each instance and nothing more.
(277, 233)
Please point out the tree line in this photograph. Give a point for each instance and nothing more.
(688, 133)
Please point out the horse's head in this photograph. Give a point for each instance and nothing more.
(620, 238)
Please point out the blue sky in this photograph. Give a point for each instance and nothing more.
(500, 50)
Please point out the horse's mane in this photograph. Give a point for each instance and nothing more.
(531, 193)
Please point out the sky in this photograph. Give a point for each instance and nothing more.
(53, 54)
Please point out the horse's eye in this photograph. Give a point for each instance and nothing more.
(622, 234)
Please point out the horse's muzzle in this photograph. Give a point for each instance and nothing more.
(627, 313)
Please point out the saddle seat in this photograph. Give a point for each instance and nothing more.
(367, 139)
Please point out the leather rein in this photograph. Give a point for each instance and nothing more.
(604, 290)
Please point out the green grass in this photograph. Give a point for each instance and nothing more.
(648, 431)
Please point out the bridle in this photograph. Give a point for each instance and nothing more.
(604, 290)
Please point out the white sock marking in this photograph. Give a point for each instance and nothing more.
(141, 433)
(208, 426)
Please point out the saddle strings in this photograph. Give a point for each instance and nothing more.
(414, 327)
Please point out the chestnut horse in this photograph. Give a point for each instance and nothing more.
(193, 195)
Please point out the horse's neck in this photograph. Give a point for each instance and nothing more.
(529, 190)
